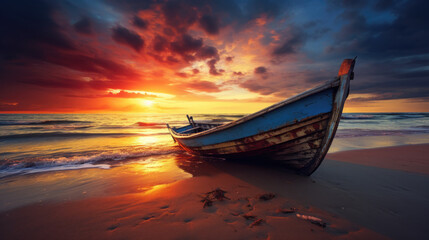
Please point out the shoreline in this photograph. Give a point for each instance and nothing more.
(161, 198)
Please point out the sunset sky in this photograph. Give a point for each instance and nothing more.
(202, 56)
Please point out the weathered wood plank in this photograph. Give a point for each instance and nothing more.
(302, 147)
(241, 147)
(319, 122)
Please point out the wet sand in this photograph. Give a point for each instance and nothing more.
(162, 199)
(411, 158)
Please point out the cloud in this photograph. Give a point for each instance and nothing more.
(203, 86)
(68, 83)
(260, 70)
(395, 53)
(347, 3)
(83, 26)
(206, 52)
(127, 37)
(294, 40)
(159, 43)
(179, 15)
(128, 94)
(210, 24)
(382, 5)
(182, 74)
(140, 23)
(186, 46)
(212, 66)
(27, 31)
(255, 85)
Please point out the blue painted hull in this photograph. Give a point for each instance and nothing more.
(297, 131)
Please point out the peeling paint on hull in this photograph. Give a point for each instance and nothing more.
(297, 131)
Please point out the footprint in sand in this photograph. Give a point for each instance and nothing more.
(113, 227)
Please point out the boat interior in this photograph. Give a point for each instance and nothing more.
(194, 127)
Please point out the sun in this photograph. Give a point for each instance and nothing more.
(147, 103)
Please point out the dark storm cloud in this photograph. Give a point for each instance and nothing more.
(186, 44)
(59, 82)
(294, 40)
(127, 37)
(382, 5)
(159, 43)
(260, 70)
(83, 26)
(191, 49)
(213, 70)
(395, 54)
(406, 35)
(179, 15)
(131, 5)
(268, 8)
(208, 52)
(93, 64)
(25, 31)
(31, 36)
(347, 3)
(211, 16)
(140, 23)
(210, 24)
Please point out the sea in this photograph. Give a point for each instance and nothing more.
(32, 143)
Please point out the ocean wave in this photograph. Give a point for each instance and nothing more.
(423, 126)
(357, 117)
(44, 122)
(342, 133)
(93, 160)
(403, 115)
(22, 171)
(63, 135)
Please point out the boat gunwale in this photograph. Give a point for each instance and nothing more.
(291, 127)
(330, 84)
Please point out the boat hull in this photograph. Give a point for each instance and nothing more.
(296, 132)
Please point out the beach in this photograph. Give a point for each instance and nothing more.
(355, 201)
(370, 186)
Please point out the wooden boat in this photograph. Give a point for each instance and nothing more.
(297, 131)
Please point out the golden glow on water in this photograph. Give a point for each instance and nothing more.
(146, 140)
(141, 176)
(155, 165)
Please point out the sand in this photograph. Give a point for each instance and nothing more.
(355, 201)
(410, 158)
